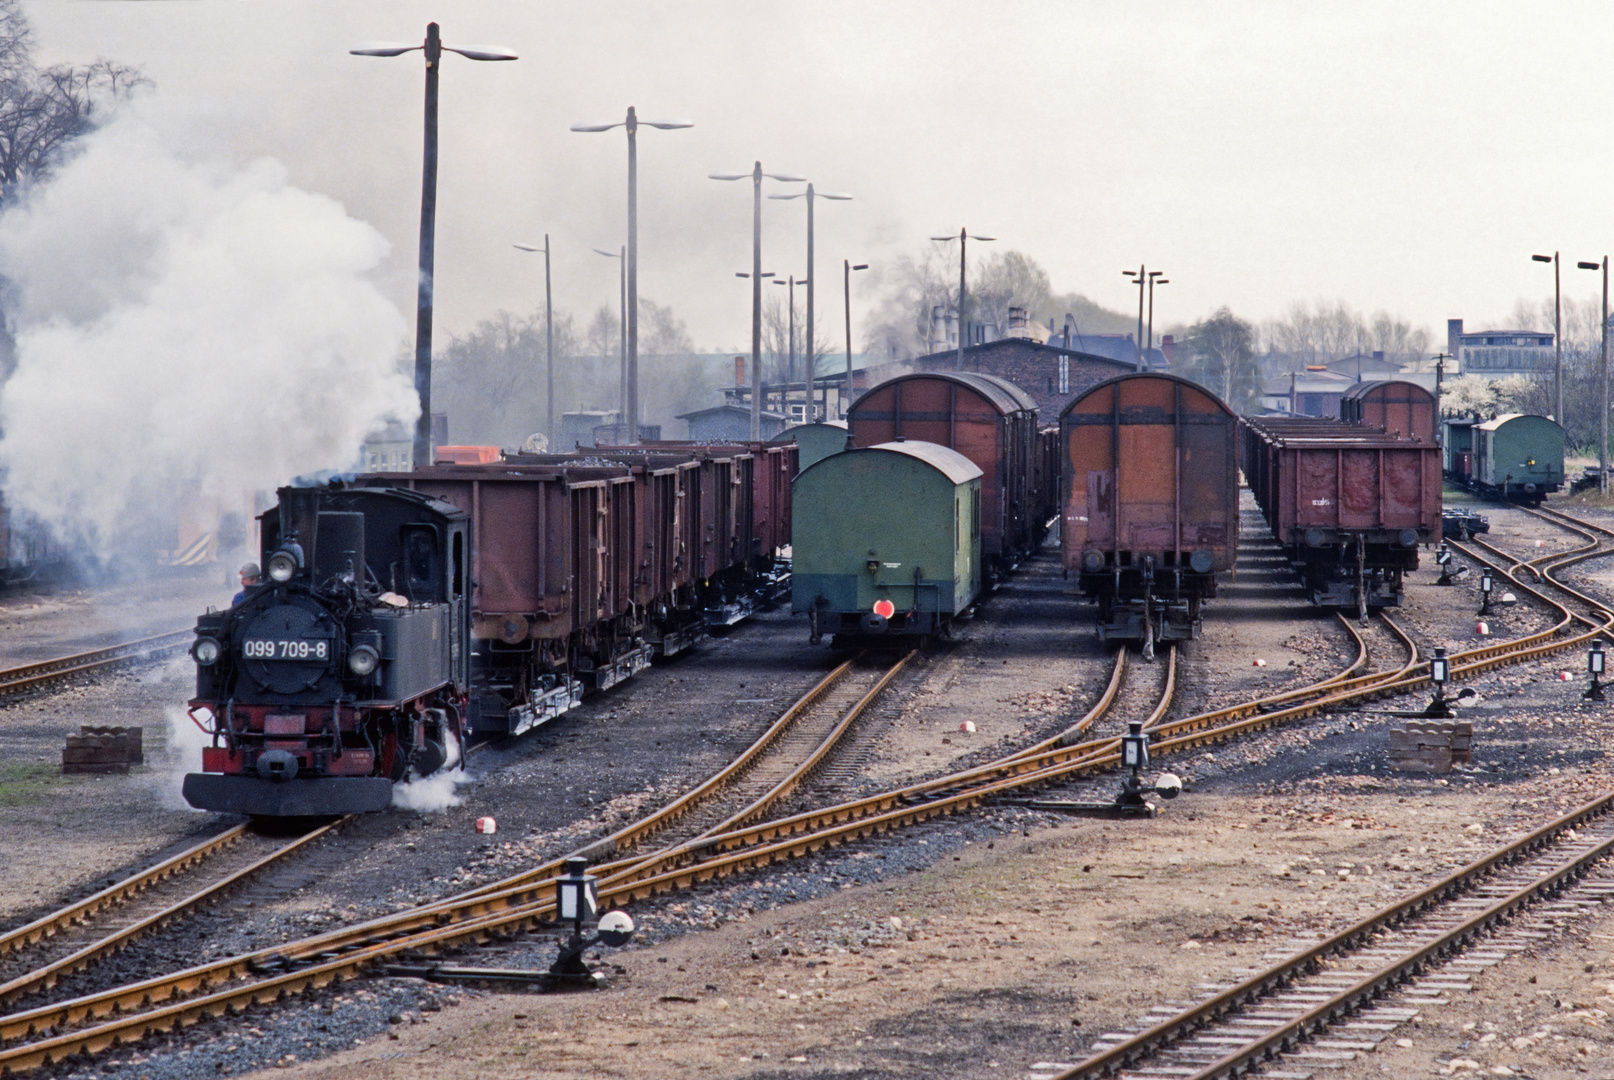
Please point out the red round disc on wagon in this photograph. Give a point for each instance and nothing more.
(884, 608)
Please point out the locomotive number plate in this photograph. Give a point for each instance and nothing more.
(286, 650)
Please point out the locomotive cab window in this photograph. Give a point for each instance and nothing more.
(420, 561)
(457, 579)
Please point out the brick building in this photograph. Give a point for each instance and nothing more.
(1054, 377)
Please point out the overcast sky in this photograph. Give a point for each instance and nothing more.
(1395, 155)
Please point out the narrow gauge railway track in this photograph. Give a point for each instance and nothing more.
(1349, 980)
(27, 677)
(89, 1024)
(33, 957)
(52, 1033)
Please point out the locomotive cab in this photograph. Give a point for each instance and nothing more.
(345, 670)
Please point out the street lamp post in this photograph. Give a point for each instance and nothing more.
(1602, 413)
(963, 239)
(756, 174)
(622, 336)
(1557, 330)
(434, 48)
(784, 398)
(1155, 278)
(549, 340)
(755, 385)
(1141, 278)
(633, 123)
(812, 356)
(1144, 276)
(846, 270)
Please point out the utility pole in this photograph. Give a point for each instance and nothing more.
(963, 239)
(846, 270)
(1557, 330)
(1602, 417)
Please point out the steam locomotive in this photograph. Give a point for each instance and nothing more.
(347, 668)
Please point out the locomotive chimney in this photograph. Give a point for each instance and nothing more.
(299, 517)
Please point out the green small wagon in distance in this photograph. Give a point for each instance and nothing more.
(817, 441)
(887, 543)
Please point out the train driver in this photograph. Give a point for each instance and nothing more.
(250, 576)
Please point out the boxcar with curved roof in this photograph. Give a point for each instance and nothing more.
(1403, 409)
(887, 541)
(990, 421)
(1151, 508)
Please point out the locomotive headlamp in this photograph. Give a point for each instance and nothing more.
(282, 566)
(363, 659)
(206, 651)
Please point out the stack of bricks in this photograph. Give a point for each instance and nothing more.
(103, 750)
(1431, 746)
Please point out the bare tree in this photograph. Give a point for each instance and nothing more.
(42, 110)
(491, 381)
(1317, 334)
(1008, 279)
(1220, 353)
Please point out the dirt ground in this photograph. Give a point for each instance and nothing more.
(1016, 947)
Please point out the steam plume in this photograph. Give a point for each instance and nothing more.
(185, 325)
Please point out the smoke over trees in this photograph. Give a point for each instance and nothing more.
(42, 110)
(900, 328)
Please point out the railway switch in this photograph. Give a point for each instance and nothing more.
(1440, 675)
(577, 902)
(1596, 664)
(1443, 558)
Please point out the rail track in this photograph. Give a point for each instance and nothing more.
(95, 1022)
(35, 956)
(28, 677)
(1358, 984)
(1331, 999)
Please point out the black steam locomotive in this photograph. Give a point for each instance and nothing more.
(348, 667)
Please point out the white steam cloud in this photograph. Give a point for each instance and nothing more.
(185, 326)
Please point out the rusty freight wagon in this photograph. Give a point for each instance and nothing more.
(745, 526)
(990, 421)
(667, 582)
(1402, 409)
(1349, 504)
(553, 567)
(1150, 497)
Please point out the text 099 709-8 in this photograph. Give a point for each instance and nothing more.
(285, 650)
